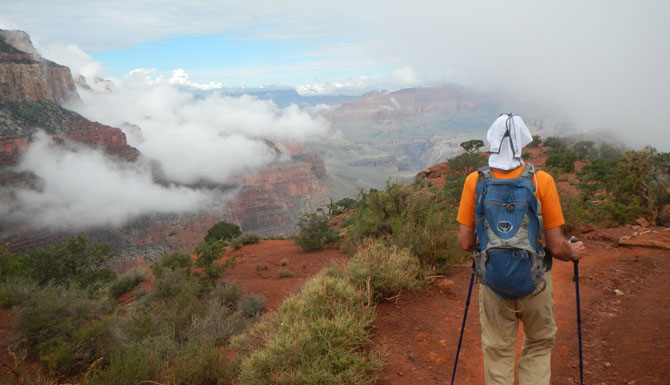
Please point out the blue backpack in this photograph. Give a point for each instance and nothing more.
(508, 221)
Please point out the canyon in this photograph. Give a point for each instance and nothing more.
(33, 91)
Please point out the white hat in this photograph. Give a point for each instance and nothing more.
(507, 136)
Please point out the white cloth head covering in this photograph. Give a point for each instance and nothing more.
(507, 136)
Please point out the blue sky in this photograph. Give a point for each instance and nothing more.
(232, 59)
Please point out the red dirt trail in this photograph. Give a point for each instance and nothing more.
(624, 336)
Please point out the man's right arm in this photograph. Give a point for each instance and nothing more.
(466, 237)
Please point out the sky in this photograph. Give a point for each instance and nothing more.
(602, 63)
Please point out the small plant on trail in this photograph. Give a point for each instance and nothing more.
(383, 270)
(285, 274)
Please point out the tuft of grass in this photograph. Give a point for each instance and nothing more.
(126, 282)
(285, 274)
(261, 266)
(203, 364)
(383, 269)
(283, 261)
(313, 338)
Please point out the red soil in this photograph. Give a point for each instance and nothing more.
(623, 337)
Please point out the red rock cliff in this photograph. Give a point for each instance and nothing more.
(26, 77)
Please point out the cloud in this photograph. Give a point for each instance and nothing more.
(79, 187)
(400, 78)
(212, 137)
(603, 62)
(75, 58)
(143, 77)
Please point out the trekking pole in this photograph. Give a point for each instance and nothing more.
(579, 317)
(465, 316)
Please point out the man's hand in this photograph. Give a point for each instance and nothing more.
(577, 248)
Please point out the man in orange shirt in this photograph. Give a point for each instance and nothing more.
(499, 317)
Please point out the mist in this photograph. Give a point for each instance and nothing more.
(603, 65)
(212, 138)
(79, 187)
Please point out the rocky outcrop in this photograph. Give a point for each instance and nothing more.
(27, 77)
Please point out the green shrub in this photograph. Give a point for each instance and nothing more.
(51, 316)
(131, 364)
(261, 266)
(313, 338)
(173, 260)
(10, 264)
(562, 159)
(208, 252)
(384, 269)
(79, 352)
(15, 290)
(413, 217)
(227, 293)
(251, 306)
(314, 232)
(71, 261)
(203, 364)
(222, 231)
(244, 239)
(125, 283)
(285, 274)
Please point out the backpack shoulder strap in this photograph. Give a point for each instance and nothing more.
(528, 172)
(485, 173)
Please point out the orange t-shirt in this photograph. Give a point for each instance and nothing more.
(546, 193)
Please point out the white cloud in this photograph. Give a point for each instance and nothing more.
(214, 137)
(79, 187)
(143, 77)
(403, 77)
(75, 58)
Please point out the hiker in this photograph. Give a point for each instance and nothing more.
(501, 310)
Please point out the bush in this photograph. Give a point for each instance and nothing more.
(562, 159)
(173, 260)
(125, 283)
(227, 293)
(285, 274)
(129, 365)
(71, 261)
(203, 364)
(10, 264)
(222, 231)
(244, 239)
(412, 217)
(314, 232)
(313, 338)
(252, 305)
(386, 269)
(16, 290)
(50, 319)
(208, 252)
